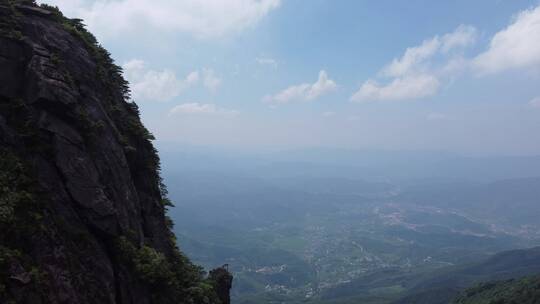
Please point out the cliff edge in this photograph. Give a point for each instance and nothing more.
(82, 205)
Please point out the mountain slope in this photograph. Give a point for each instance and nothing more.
(522, 291)
(442, 286)
(82, 206)
(435, 286)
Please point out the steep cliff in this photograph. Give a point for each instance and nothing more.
(82, 206)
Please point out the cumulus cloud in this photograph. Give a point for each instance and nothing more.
(204, 19)
(408, 87)
(164, 85)
(516, 46)
(417, 73)
(416, 58)
(196, 108)
(412, 58)
(535, 102)
(420, 70)
(152, 85)
(210, 80)
(463, 36)
(303, 92)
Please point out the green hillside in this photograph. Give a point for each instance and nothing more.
(523, 291)
(440, 287)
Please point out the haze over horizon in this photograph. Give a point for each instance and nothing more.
(460, 77)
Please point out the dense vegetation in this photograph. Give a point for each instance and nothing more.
(520, 291)
(20, 219)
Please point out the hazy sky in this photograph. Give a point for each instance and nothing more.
(460, 76)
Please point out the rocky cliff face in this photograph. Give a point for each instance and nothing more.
(82, 207)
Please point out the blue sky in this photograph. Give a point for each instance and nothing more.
(459, 76)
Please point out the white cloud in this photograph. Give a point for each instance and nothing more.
(210, 80)
(421, 69)
(416, 58)
(408, 87)
(418, 72)
(267, 61)
(151, 85)
(164, 85)
(453, 66)
(303, 92)
(196, 108)
(463, 36)
(517, 46)
(412, 58)
(210, 18)
(535, 102)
